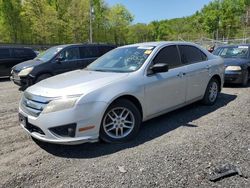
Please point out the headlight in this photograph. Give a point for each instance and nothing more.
(60, 104)
(25, 72)
(233, 68)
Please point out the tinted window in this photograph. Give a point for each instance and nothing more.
(191, 54)
(70, 54)
(168, 55)
(4, 53)
(89, 52)
(104, 49)
(19, 52)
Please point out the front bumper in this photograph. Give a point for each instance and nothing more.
(82, 116)
(234, 77)
(21, 81)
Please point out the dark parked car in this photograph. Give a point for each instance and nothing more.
(237, 63)
(10, 56)
(56, 60)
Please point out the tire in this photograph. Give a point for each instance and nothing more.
(42, 77)
(121, 122)
(209, 97)
(245, 79)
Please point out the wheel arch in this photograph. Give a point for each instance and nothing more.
(132, 99)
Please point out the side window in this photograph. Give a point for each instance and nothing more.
(29, 53)
(168, 55)
(191, 54)
(19, 53)
(70, 54)
(22, 53)
(89, 52)
(104, 49)
(4, 53)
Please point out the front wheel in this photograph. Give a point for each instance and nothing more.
(211, 93)
(121, 122)
(245, 79)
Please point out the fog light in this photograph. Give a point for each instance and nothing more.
(64, 130)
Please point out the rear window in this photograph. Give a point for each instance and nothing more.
(4, 53)
(89, 52)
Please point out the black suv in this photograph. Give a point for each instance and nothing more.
(10, 56)
(56, 60)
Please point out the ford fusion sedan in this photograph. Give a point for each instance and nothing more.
(116, 93)
(237, 63)
(57, 60)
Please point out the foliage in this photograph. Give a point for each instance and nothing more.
(67, 21)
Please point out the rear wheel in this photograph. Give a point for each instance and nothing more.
(121, 122)
(212, 92)
(42, 77)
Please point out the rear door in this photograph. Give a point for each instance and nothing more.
(197, 70)
(5, 62)
(166, 90)
(69, 60)
(88, 54)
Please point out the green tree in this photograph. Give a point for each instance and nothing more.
(10, 19)
(119, 20)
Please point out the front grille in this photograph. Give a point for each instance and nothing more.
(33, 105)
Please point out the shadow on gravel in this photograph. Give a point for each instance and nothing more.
(229, 85)
(150, 130)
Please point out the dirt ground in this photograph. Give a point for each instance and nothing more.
(179, 149)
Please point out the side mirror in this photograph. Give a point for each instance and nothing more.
(59, 59)
(160, 67)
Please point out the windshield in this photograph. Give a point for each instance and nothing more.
(48, 54)
(127, 59)
(233, 52)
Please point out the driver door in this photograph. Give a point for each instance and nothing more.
(166, 90)
(69, 60)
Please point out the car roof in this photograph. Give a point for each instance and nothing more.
(83, 44)
(233, 45)
(16, 47)
(160, 43)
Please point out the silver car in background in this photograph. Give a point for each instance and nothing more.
(117, 92)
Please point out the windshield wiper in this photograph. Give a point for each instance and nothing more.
(100, 70)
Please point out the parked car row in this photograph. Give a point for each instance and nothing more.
(112, 96)
(108, 97)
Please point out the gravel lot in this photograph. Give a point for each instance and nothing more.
(180, 149)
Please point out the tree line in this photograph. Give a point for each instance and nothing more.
(68, 21)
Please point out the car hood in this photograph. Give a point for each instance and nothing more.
(74, 83)
(27, 64)
(235, 61)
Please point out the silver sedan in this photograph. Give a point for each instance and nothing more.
(116, 93)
